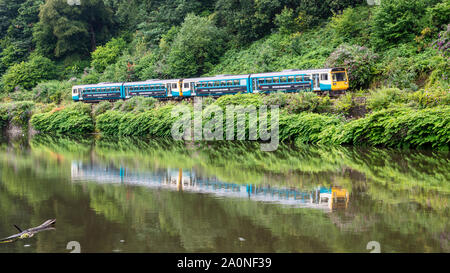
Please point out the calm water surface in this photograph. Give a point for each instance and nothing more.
(158, 196)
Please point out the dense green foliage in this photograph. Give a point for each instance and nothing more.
(15, 113)
(386, 45)
(156, 122)
(28, 74)
(72, 120)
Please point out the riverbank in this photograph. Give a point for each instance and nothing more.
(381, 118)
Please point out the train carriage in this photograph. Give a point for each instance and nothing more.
(97, 92)
(285, 81)
(219, 85)
(149, 88)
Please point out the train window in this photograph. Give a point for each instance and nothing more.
(236, 82)
(261, 81)
(174, 85)
(210, 84)
(324, 77)
(283, 79)
(291, 79)
(299, 78)
(268, 80)
(306, 78)
(186, 85)
(229, 83)
(276, 80)
(339, 77)
(223, 83)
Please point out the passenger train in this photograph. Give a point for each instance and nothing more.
(317, 80)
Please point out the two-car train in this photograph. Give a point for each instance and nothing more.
(317, 80)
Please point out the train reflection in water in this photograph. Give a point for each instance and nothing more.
(324, 198)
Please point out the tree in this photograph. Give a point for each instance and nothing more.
(108, 54)
(399, 21)
(72, 29)
(197, 46)
(286, 21)
(18, 42)
(8, 11)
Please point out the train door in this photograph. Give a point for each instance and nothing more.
(180, 88)
(126, 92)
(316, 82)
(169, 89)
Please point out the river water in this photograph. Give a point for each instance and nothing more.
(131, 195)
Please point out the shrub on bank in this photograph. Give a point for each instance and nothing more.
(305, 127)
(383, 97)
(53, 91)
(395, 127)
(153, 122)
(74, 119)
(16, 113)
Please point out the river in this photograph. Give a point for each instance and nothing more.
(131, 195)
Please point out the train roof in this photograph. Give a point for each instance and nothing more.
(152, 81)
(220, 77)
(291, 72)
(102, 84)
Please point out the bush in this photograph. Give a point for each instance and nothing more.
(344, 104)
(16, 113)
(239, 99)
(395, 127)
(101, 108)
(307, 101)
(442, 43)
(278, 98)
(305, 127)
(72, 120)
(359, 61)
(109, 122)
(399, 67)
(28, 74)
(383, 97)
(429, 97)
(138, 104)
(53, 91)
(154, 122)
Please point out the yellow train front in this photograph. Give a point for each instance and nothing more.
(339, 79)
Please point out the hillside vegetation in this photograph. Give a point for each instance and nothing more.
(397, 55)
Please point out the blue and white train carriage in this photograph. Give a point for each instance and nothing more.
(317, 80)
